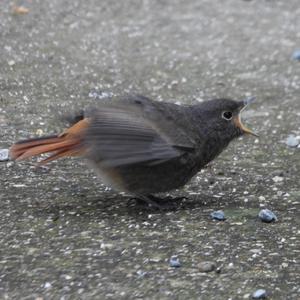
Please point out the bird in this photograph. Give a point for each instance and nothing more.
(141, 146)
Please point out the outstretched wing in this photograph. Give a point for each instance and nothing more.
(117, 136)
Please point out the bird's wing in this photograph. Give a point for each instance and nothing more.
(117, 136)
(170, 119)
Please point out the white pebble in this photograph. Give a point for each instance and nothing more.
(47, 285)
(292, 141)
(4, 154)
(277, 179)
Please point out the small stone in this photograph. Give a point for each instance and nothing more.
(4, 154)
(141, 273)
(267, 216)
(231, 266)
(259, 294)
(296, 55)
(155, 259)
(174, 262)
(11, 63)
(292, 141)
(19, 185)
(39, 132)
(96, 94)
(206, 266)
(106, 246)
(218, 215)
(20, 10)
(47, 285)
(277, 179)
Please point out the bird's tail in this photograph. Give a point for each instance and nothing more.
(69, 143)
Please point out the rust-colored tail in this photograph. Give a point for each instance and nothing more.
(69, 143)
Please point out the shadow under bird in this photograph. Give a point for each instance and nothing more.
(144, 147)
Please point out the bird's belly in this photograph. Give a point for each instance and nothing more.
(110, 177)
(141, 179)
(145, 179)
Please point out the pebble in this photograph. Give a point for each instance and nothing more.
(47, 285)
(296, 55)
(39, 132)
(19, 10)
(141, 273)
(218, 215)
(100, 94)
(277, 179)
(259, 294)
(261, 198)
(206, 266)
(267, 216)
(4, 154)
(174, 262)
(106, 246)
(292, 141)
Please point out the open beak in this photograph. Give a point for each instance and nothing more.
(237, 119)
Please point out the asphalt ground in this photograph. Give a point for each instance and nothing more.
(64, 235)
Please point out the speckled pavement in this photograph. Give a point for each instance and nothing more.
(64, 235)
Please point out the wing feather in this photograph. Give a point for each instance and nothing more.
(117, 137)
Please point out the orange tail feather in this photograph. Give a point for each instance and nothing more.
(69, 143)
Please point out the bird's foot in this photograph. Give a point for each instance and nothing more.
(156, 203)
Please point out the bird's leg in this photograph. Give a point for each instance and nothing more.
(159, 203)
(150, 201)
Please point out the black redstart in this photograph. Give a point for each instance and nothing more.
(142, 146)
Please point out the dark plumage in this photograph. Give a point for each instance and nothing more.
(145, 147)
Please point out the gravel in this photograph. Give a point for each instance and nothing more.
(218, 215)
(174, 262)
(259, 294)
(206, 266)
(4, 154)
(296, 55)
(292, 141)
(267, 216)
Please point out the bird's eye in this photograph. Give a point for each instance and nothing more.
(227, 115)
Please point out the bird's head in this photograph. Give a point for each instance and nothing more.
(223, 116)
